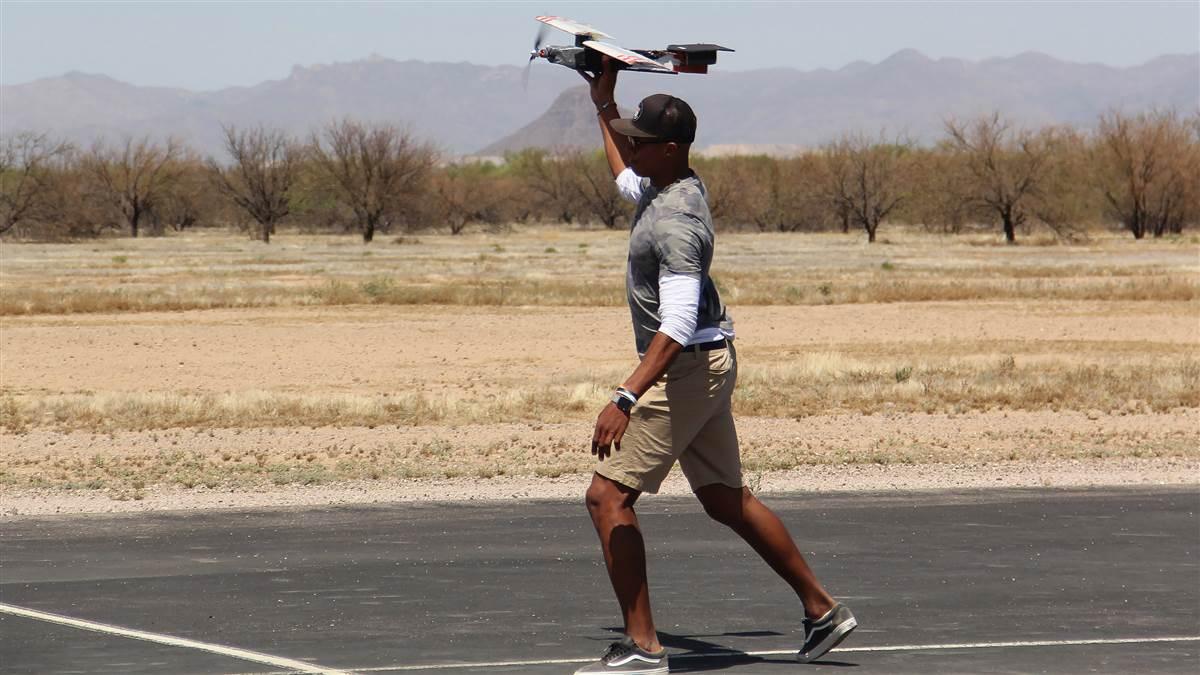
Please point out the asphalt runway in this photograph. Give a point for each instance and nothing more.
(1000, 581)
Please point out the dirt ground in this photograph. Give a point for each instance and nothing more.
(202, 370)
(517, 489)
(486, 350)
(431, 348)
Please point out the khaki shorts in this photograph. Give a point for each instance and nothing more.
(686, 416)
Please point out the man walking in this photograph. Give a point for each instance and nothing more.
(676, 406)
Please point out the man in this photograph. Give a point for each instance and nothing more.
(676, 404)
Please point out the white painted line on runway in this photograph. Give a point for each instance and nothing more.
(790, 652)
(1025, 643)
(278, 661)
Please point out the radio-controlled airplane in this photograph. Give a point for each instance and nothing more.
(590, 46)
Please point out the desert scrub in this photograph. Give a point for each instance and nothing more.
(811, 384)
(206, 272)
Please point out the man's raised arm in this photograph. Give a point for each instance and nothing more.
(603, 89)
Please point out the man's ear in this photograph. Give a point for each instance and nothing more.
(672, 149)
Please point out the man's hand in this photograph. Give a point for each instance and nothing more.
(604, 85)
(610, 427)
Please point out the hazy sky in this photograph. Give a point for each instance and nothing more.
(209, 45)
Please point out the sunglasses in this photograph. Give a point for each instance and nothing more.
(636, 143)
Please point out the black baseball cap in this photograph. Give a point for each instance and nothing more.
(661, 117)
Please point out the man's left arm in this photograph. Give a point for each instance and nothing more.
(679, 300)
(611, 425)
(678, 307)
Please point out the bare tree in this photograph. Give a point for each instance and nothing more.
(264, 166)
(1188, 166)
(1067, 200)
(838, 184)
(545, 179)
(938, 178)
(455, 194)
(722, 192)
(590, 180)
(190, 201)
(799, 193)
(27, 176)
(133, 175)
(1144, 169)
(768, 193)
(467, 193)
(865, 179)
(741, 190)
(1006, 168)
(373, 170)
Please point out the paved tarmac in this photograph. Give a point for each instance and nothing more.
(1001, 581)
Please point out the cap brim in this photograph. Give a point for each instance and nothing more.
(625, 128)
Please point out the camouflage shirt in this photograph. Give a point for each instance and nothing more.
(672, 233)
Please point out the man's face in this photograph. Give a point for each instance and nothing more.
(651, 156)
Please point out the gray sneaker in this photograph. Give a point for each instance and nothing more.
(626, 657)
(825, 633)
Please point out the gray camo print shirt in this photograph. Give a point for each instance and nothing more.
(672, 233)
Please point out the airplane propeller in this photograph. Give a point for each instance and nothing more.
(537, 45)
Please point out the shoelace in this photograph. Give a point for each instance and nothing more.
(615, 651)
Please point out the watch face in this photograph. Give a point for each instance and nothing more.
(623, 404)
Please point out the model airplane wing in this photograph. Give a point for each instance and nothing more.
(632, 60)
(573, 27)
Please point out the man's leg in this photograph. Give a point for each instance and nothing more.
(611, 507)
(739, 509)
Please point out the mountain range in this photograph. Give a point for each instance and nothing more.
(471, 109)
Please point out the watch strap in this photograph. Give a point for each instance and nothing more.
(623, 403)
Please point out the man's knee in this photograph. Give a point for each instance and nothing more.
(724, 504)
(605, 495)
(595, 499)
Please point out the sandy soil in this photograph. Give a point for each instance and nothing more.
(427, 349)
(885, 452)
(826, 478)
(437, 349)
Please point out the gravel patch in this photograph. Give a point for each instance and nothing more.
(824, 478)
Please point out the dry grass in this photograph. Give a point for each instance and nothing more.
(831, 383)
(951, 288)
(814, 384)
(441, 454)
(759, 290)
(254, 409)
(436, 458)
(547, 267)
(571, 269)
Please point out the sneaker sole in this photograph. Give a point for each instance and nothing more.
(656, 670)
(835, 638)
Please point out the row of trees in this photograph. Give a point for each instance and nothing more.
(349, 174)
(1141, 172)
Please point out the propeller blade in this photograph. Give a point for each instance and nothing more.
(538, 39)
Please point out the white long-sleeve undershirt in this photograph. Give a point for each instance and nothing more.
(679, 307)
(678, 294)
(629, 184)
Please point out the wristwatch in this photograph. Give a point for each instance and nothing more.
(624, 399)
